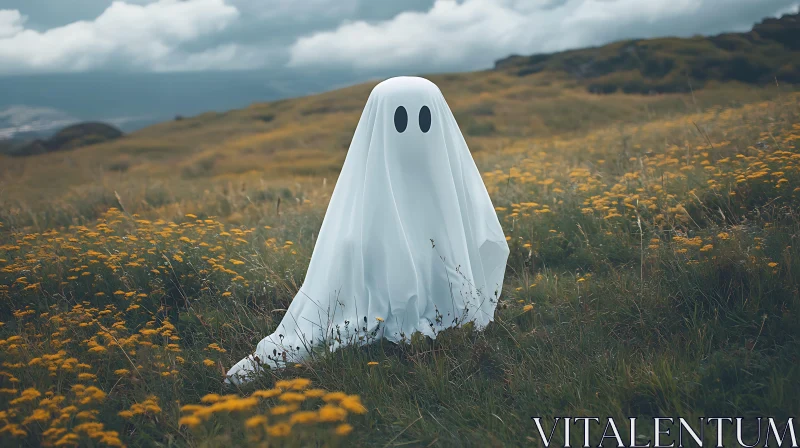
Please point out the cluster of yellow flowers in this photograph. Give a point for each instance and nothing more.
(655, 184)
(69, 419)
(90, 309)
(128, 247)
(290, 404)
(79, 350)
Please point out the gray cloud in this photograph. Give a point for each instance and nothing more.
(360, 35)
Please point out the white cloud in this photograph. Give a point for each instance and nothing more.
(429, 35)
(11, 22)
(147, 36)
(445, 34)
(469, 34)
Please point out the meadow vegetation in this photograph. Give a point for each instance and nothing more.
(653, 271)
(220, 163)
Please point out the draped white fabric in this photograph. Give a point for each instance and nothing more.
(410, 241)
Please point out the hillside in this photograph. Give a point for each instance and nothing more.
(769, 52)
(71, 137)
(654, 271)
(267, 144)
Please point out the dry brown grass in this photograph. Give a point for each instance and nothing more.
(279, 143)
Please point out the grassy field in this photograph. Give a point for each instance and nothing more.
(204, 163)
(653, 271)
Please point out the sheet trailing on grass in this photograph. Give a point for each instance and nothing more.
(410, 240)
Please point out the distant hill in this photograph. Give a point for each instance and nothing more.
(769, 52)
(71, 137)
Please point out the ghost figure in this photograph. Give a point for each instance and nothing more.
(410, 240)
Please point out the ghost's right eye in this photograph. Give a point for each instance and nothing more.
(400, 119)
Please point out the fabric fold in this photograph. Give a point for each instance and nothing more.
(410, 241)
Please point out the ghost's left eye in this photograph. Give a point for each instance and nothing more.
(424, 119)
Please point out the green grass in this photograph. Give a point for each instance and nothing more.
(654, 271)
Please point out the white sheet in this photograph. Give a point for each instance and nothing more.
(410, 239)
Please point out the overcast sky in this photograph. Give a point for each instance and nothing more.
(52, 36)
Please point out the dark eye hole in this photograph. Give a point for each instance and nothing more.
(425, 119)
(400, 119)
